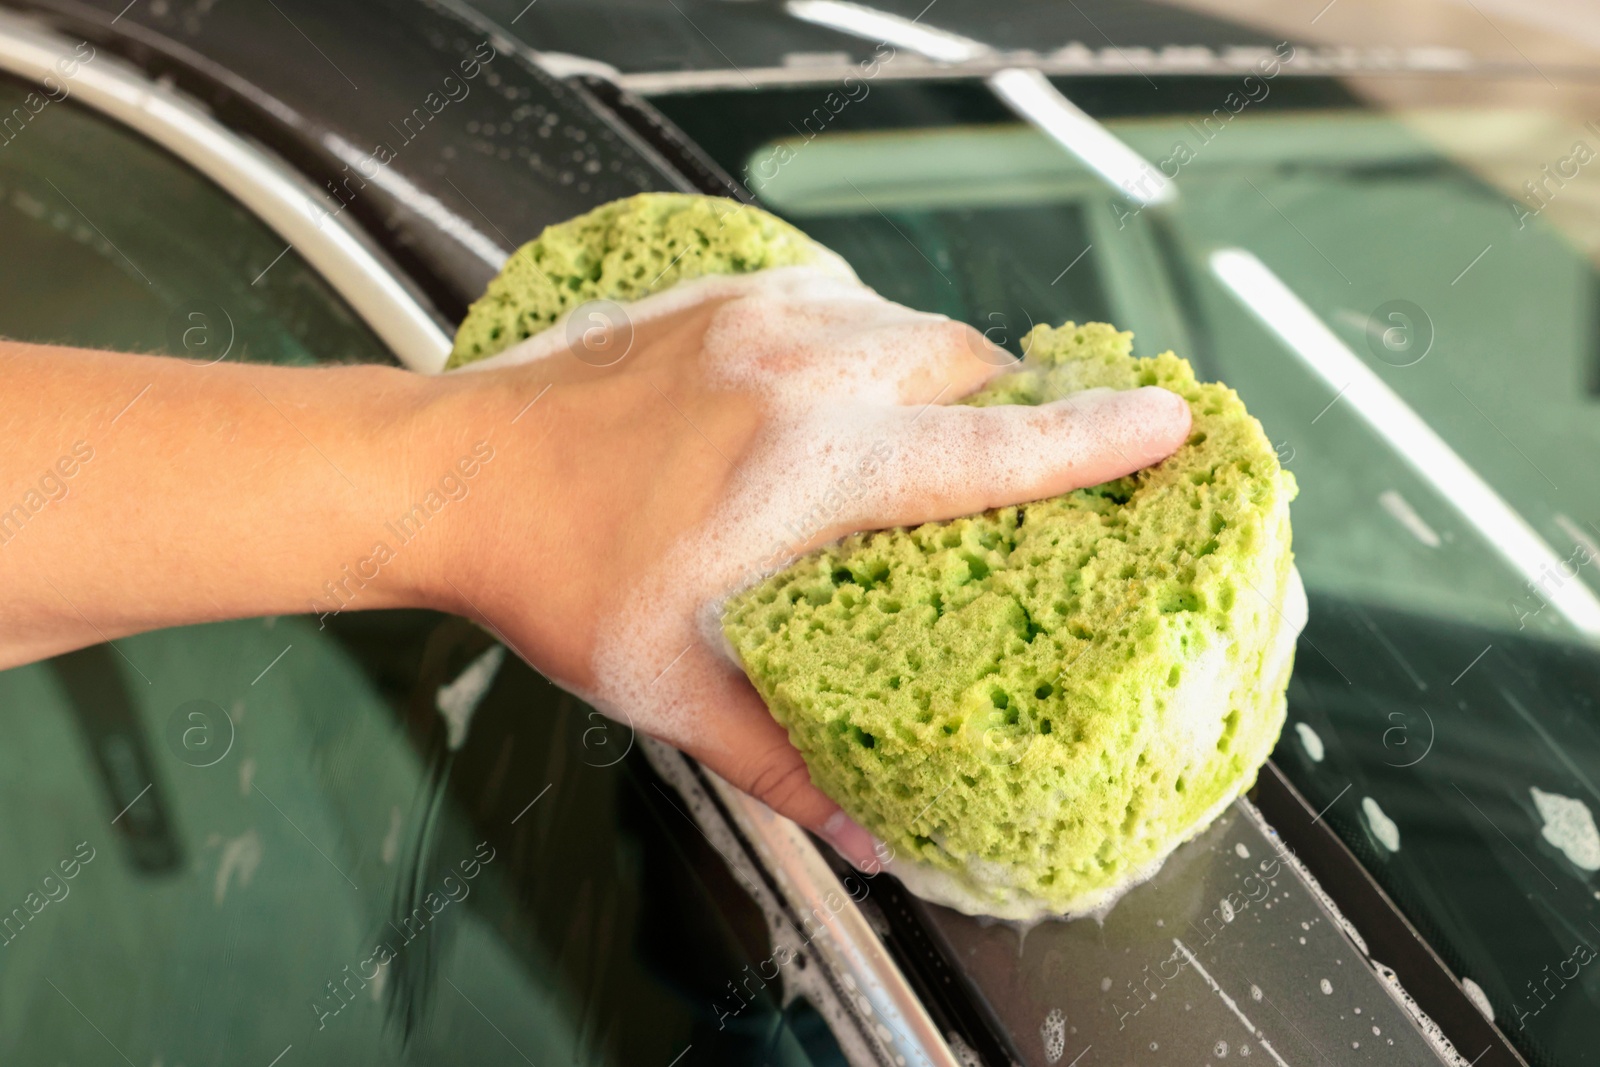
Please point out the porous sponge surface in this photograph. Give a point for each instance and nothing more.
(1039, 703)
(620, 251)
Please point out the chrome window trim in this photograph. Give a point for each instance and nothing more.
(890, 1026)
(1310, 62)
(269, 188)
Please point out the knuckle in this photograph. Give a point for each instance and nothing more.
(778, 781)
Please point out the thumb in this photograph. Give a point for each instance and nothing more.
(741, 741)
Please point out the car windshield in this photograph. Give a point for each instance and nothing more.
(1397, 276)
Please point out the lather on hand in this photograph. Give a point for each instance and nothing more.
(618, 509)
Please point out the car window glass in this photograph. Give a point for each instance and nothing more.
(361, 839)
(1443, 713)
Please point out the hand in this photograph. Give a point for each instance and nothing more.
(594, 516)
(751, 420)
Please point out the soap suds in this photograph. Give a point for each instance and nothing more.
(1383, 828)
(831, 362)
(828, 356)
(460, 698)
(1310, 742)
(1479, 998)
(940, 886)
(1053, 1031)
(1569, 826)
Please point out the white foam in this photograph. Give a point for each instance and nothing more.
(846, 446)
(1310, 742)
(1479, 998)
(829, 361)
(1053, 1031)
(1383, 828)
(987, 889)
(1569, 826)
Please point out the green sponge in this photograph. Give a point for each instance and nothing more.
(625, 250)
(1033, 706)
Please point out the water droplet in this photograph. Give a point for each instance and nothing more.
(1326, 986)
(1255, 992)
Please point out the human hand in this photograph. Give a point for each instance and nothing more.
(750, 420)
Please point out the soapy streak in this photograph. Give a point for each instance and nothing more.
(1231, 1003)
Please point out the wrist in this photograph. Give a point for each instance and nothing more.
(466, 442)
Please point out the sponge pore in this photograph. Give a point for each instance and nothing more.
(1033, 706)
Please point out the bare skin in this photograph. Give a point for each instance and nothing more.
(229, 491)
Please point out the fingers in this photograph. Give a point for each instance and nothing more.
(739, 739)
(848, 342)
(951, 461)
(956, 360)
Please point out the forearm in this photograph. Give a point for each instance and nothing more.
(143, 492)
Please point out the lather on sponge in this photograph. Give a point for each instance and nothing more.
(1035, 705)
(1032, 706)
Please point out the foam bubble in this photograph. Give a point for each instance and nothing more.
(1383, 828)
(1310, 741)
(983, 889)
(829, 361)
(1569, 826)
(1479, 998)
